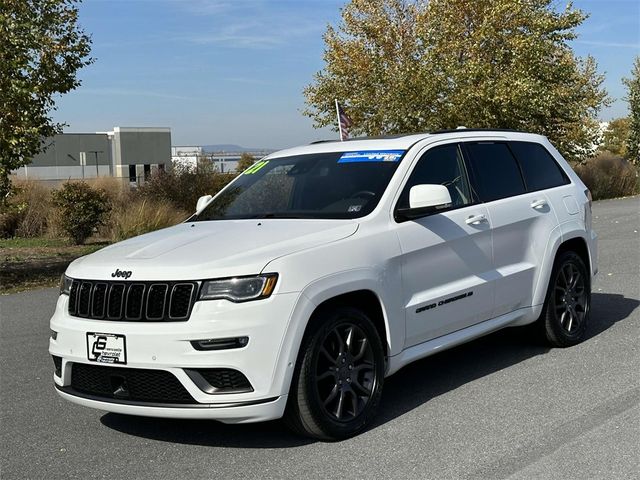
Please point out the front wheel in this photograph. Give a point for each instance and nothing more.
(566, 309)
(338, 380)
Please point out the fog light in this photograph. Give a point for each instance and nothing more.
(54, 335)
(220, 343)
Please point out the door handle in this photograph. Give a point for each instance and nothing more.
(538, 204)
(476, 219)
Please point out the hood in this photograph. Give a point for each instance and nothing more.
(214, 249)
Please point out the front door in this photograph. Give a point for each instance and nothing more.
(447, 264)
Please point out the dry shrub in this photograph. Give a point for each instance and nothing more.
(28, 211)
(140, 216)
(116, 189)
(609, 176)
(183, 185)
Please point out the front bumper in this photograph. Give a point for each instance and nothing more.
(266, 361)
(239, 412)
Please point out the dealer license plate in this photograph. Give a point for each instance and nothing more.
(106, 348)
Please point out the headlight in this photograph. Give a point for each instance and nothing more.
(65, 284)
(239, 289)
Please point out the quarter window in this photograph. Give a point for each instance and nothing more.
(440, 166)
(496, 171)
(539, 168)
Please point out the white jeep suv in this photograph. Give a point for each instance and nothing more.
(323, 269)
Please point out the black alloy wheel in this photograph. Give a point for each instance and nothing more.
(570, 297)
(565, 314)
(338, 378)
(344, 372)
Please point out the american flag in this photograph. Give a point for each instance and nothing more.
(344, 122)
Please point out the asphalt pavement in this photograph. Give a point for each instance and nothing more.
(500, 407)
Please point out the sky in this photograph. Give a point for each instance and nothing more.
(233, 71)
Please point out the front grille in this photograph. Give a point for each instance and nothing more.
(225, 379)
(134, 384)
(132, 301)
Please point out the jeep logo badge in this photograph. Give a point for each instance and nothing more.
(121, 273)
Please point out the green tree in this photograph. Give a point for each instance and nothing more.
(633, 97)
(615, 137)
(41, 49)
(402, 66)
(246, 160)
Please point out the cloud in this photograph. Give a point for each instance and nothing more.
(134, 93)
(252, 24)
(609, 44)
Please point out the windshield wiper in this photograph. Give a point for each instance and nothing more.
(280, 215)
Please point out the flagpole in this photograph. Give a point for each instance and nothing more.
(338, 117)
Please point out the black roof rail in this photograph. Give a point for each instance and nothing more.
(436, 132)
(464, 129)
(375, 137)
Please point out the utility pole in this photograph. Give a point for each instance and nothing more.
(96, 152)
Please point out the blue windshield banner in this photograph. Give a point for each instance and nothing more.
(371, 156)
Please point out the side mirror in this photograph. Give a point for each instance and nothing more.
(424, 200)
(202, 202)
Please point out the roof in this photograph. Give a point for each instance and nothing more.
(403, 142)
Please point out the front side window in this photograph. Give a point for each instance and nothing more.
(322, 185)
(539, 168)
(441, 165)
(496, 171)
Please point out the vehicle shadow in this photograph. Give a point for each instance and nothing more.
(411, 387)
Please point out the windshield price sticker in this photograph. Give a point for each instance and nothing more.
(255, 167)
(371, 156)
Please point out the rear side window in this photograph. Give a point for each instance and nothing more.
(496, 171)
(539, 168)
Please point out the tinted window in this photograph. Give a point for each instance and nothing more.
(539, 168)
(496, 171)
(441, 166)
(323, 185)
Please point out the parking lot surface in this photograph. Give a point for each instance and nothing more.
(500, 407)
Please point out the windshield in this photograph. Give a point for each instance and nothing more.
(321, 185)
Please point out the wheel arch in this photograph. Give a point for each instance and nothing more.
(364, 300)
(571, 242)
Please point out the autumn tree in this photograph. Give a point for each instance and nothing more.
(615, 137)
(41, 49)
(403, 66)
(633, 97)
(246, 160)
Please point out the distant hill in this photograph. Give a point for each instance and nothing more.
(226, 147)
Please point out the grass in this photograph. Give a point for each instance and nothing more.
(27, 263)
(31, 243)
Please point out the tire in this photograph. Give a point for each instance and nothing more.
(337, 383)
(565, 314)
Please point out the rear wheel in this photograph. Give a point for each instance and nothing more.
(566, 309)
(338, 380)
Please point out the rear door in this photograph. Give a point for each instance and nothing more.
(446, 257)
(521, 218)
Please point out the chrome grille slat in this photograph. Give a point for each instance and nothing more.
(132, 301)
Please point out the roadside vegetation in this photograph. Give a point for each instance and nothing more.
(43, 229)
(397, 66)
